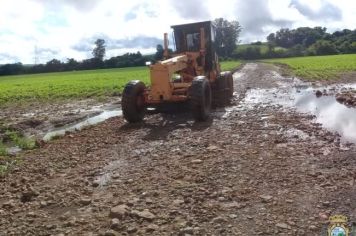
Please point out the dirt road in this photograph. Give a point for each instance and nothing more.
(253, 169)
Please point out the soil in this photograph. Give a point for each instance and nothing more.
(252, 169)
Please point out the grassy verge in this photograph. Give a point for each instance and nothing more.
(230, 65)
(12, 139)
(319, 67)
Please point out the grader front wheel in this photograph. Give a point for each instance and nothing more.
(200, 95)
(133, 107)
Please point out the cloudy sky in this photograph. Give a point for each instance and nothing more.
(68, 28)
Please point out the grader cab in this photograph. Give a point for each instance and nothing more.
(192, 74)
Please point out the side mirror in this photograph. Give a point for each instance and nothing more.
(148, 63)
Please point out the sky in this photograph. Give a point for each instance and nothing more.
(40, 30)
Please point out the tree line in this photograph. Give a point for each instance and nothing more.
(97, 62)
(303, 41)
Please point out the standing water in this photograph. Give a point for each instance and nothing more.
(78, 126)
(329, 113)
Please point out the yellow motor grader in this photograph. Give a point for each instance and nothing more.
(192, 74)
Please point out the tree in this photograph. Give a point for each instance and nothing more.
(71, 64)
(323, 47)
(227, 35)
(99, 50)
(53, 65)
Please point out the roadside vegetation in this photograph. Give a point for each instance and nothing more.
(319, 67)
(11, 138)
(230, 65)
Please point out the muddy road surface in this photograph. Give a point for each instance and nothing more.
(260, 166)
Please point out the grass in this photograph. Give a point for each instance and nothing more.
(319, 67)
(65, 85)
(50, 87)
(6, 164)
(21, 141)
(229, 65)
(13, 138)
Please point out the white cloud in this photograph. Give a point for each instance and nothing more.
(60, 25)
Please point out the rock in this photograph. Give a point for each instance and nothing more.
(43, 203)
(212, 148)
(266, 198)
(131, 229)
(145, 214)
(196, 161)
(31, 214)
(119, 211)
(218, 220)
(221, 199)
(149, 201)
(85, 201)
(313, 227)
(133, 201)
(28, 195)
(323, 216)
(318, 93)
(115, 224)
(233, 205)
(152, 227)
(187, 230)
(111, 233)
(178, 202)
(283, 226)
(96, 183)
(233, 216)
(9, 204)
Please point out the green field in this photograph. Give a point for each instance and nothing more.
(319, 67)
(229, 65)
(78, 84)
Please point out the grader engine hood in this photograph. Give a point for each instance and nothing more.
(161, 75)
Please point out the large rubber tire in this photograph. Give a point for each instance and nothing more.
(133, 107)
(225, 87)
(221, 91)
(230, 84)
(200, 98)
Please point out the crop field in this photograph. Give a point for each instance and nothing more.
(319, 67)
(77, 84)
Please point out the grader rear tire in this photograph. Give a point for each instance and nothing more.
(133, 107)
(227, 88)
(200, 98)
(230, 84)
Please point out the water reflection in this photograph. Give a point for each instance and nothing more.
(332, 115)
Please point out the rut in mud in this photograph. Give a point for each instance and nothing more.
(255, 168)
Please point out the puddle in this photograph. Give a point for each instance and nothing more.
(329, 113)
(78, 126)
